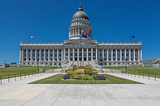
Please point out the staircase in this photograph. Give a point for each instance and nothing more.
(67, 65)
(94, 65)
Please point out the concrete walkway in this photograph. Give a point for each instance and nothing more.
(20, 93)
(137, 78)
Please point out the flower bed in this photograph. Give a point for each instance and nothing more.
(83, 73)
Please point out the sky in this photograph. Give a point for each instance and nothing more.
(49, 20)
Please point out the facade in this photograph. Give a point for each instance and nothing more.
(81, 50)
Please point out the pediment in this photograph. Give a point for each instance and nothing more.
(81, 41)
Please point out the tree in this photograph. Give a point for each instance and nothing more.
(13, 63)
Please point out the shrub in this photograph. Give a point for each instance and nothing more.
(67, 76)
(75, 76)
(71, 72)
(88, 71)
(90, 78)
(87, 66)
(95, 70)
(74, 66)
(86, 77)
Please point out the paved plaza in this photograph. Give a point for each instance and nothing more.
(20, 93)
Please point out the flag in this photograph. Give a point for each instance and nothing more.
(132, 36)
(82, 35)
(31, 36)
(85, 30)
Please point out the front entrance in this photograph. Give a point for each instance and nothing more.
(75, 59)
(80, 59)
(84, 58)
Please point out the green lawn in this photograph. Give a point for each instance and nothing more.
(20, 70)
(139, 70)
(56, 79)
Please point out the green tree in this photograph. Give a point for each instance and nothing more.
(13, 63)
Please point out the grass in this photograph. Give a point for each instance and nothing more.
(56, 79)
(137, 70)
(20, 70)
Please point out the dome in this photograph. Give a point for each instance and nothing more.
(80, 14)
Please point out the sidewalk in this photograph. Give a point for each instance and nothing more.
(20, 93)
(137, 78)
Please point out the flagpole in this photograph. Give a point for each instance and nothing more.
(30, 39)
(130, 38)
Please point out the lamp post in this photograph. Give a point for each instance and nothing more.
(38, 65)
(126, 64)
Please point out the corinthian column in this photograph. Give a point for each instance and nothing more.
(78, 53)
(91, 54)
(73, 54)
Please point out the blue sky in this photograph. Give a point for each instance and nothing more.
(49, 20)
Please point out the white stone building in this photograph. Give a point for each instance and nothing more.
(79, 50)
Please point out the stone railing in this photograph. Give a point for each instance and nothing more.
(121, 43)
(39, 43)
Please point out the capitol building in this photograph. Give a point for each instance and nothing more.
(81, 49)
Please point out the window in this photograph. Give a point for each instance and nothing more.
(46, 50)
(94, 49)
(51, 50)
(126, 54)
(100, 50)
(71, 54)
(94, 54)
(55, 64)
(50, 63)
(80, 49)
(55, 50)
(59, 50)
(75, 54)
(66, 54)
(113, 50)
(109, 50)
(89, 54)
(104, 50)
(66, 49)
(100, 54)
(89, 49)
(84, 49)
